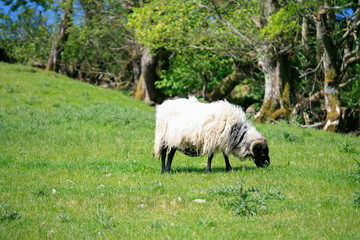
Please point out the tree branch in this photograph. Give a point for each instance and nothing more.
(314, 70)
(353, 26)
(347, 82)
(227, 23)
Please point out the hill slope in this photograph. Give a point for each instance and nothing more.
(76, 162)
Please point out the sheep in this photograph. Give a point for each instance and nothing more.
(197, 129)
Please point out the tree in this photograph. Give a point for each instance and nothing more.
(149, 75)
(340, 51)
(260, 26)
(25, 32)
(197, 72)
(99, 47)
(60, 37)
(180, 28)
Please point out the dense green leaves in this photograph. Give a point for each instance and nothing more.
(283, 23)
(26, 35)
(191, 69)
(170, 24)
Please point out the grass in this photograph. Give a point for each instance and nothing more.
(76, 162)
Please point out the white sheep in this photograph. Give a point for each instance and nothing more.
(197, 129)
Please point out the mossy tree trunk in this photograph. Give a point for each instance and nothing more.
(276, 103)
(226, 86)
(331, 71)
(277, 70)
(136, 66)
(149, 75)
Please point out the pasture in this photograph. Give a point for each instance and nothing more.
(76, 162)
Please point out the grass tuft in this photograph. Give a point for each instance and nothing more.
(8, 213)
(347, 147)
(291, 136)
(247, 202)
(102, 218)
(64, 217)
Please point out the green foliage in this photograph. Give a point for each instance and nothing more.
(183, 28)
(169, 24)
(98, 44)
(26, 37)
(190, 69)
(350, 93)
(15, 5)
(283, 24)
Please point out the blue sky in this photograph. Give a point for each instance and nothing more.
(50, 14)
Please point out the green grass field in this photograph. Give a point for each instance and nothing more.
(76, 162)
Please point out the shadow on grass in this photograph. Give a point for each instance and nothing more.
(213, 170)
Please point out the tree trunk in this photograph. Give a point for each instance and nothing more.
(277, 71)
(276, 103)
(304, 36)
(331, 72)
(204, 89)
(149, 76)
(60, 38)
(136, 70)
(226, 86)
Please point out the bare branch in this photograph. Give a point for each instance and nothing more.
(314, 70)
(352, 60)
(347, 82)
(354, 24)
(314, 125)
(336, 7)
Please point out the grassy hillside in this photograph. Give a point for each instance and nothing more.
(76, 162)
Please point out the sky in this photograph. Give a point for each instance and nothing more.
(50, 14)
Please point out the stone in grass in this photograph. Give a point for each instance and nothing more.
(200, 200)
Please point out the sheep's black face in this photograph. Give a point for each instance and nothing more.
(261, 155)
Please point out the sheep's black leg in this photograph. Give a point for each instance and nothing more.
(228, 166)
(163, 157)
(208, 167)
(170, 158)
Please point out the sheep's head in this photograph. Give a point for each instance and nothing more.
(260, 152)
